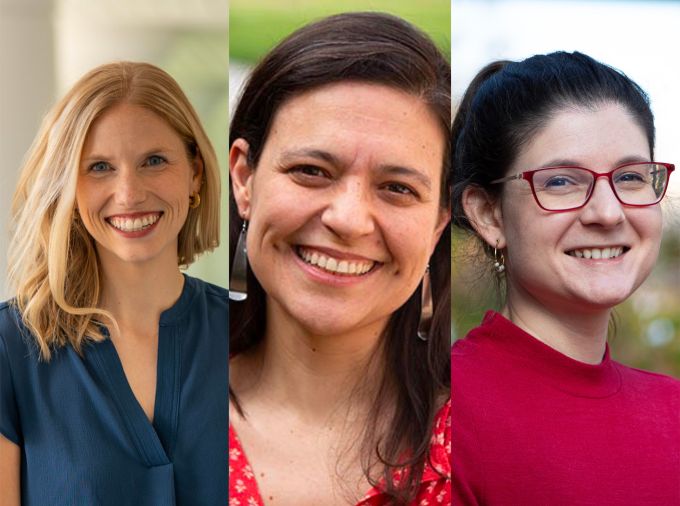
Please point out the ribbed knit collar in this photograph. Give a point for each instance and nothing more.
(562, 372)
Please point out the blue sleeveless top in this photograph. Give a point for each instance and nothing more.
(84, 438)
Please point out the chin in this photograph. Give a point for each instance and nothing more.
(605, 297)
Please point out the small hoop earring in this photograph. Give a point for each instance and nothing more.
(499, 259)
(194, 200)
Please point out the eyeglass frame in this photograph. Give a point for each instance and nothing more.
(528, 175)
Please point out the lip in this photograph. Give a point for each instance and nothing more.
(138, 233)
(329, 278)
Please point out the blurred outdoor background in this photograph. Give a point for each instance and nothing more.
(257, 25)
(46, 45)
(637, 37)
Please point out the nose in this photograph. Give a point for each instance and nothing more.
(603, 208)
(349, 213)
(129, 187)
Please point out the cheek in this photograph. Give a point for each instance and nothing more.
(88, 202)
(274, 216)
(409, 237)
(649, 227)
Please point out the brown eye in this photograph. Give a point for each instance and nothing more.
(309, 170)
(400, 189)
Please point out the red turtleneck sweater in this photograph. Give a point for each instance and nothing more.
(531, 426)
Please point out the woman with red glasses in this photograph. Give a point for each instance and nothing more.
(554, 173)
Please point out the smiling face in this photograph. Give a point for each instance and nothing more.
(134, 183)
(590, 258)
(343, 206)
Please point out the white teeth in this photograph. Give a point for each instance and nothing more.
(134, 225)
(347, 267)
(597, 253)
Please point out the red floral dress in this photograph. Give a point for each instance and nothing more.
(435, 489)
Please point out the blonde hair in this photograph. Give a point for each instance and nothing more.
(52, 259)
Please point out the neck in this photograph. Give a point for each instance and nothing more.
(571, 331)
(315, 375)
(137, 293)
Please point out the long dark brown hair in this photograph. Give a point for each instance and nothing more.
(379, 49)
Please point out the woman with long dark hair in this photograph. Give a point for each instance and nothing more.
(555, 175)
(339, 331)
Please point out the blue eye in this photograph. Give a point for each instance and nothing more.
(155, 160)
(557, 181)
(99, 167)
(630, 177)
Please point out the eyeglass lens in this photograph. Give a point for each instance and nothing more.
(564, 188)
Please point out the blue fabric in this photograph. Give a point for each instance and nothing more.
(85, 439)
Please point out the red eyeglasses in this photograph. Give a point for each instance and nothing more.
(565, 188)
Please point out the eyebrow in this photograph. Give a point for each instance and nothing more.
(326, 156)
(409, 172)
(96, 157)
(568, 162)
(318, 154)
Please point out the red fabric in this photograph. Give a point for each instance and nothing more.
(434, 490)
(533, 427)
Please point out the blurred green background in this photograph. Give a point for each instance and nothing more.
(255, 26)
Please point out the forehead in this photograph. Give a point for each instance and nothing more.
(596, 137)
(129, 124)
(359, 120)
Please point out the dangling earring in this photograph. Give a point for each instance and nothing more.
(498, 260)
(194, 200)
(238, 284)
(426, 309)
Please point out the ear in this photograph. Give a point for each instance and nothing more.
(484, 213)
(199, 169)
(241, 175)
(443, 219)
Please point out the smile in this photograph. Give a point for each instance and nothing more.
(598, 253)
(335, 265)
(134, 224)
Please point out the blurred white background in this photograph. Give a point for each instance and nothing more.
(46, 45)
(639, 38)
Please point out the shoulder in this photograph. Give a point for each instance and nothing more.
(210, 290)
(649, 383)
(440, 444)
(14, 336)
(477, 338)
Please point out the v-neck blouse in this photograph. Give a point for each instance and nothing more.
(435, 485)
(85, 439)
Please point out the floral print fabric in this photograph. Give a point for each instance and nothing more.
(435, 488)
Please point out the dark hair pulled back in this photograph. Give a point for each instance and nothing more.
(508, 102)
(379, 49)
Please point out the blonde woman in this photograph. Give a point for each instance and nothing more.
(112, 362)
